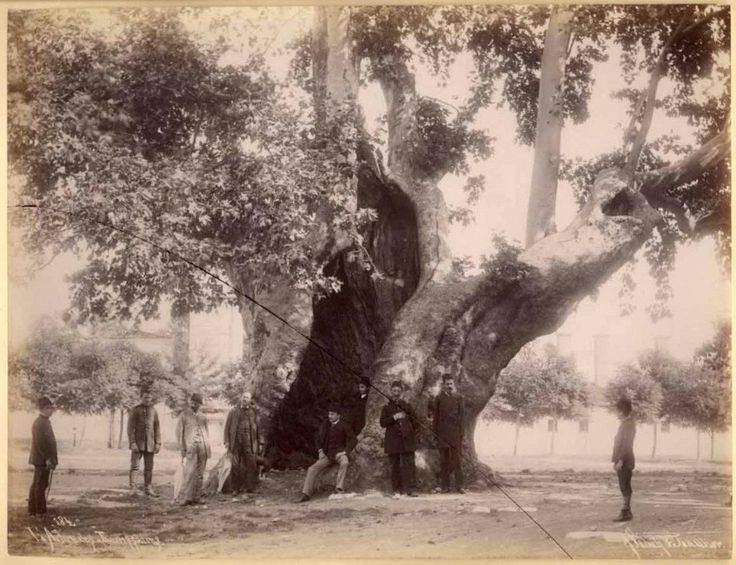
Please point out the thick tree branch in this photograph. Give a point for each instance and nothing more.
(687, 169)
(649, 96)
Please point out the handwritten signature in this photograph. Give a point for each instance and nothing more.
(98, 540)
(666, 541)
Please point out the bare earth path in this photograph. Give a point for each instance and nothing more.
(677, 515)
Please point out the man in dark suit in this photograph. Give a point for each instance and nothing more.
(243, 441)
(358, 406)
(623, 456)
(334, 441)
(43, 457)
(399, 443)
(447, 413)
(144, 437)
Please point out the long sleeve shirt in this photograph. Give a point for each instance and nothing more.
(623, 443)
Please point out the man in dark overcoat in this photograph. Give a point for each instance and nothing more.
(144, 437)
(43, 457)
(399, 443)
(358, 406)
(242, 441)
(335, 440)
(623, 458)
(447, 413)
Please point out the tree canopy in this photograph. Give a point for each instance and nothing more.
(539, 384)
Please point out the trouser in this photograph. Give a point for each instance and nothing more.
(244, 471)
(402, 471)
(196, 462)
(135, 458)
(624, 483)
(319, 466)
(450, 463)
(37, 494)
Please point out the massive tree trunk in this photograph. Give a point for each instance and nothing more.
(422, 320)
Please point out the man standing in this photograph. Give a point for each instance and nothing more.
(334, 441)
(194, 442)
(43, 457)
(144, 437)
(360, 400)
(400, 443)
(623, 456)
(242, 441)
(447, 413)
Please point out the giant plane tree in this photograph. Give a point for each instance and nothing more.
(294, 203)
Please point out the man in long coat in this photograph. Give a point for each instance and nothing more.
(399, 443)
(144, 438)
(623, 456)
(43, 457)
(448, 413)
(358, 406)
(242, 441)
(192, 435)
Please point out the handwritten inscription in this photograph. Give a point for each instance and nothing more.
(663, 542)
(55, 537)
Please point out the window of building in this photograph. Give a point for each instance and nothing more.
(583, 425)
(551, 425)
(665, 427)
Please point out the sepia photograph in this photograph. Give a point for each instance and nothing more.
(378, 282)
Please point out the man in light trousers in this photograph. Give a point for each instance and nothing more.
(194, 442)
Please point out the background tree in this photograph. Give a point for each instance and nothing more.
(85, 376)
(421, 318)
(538, 385)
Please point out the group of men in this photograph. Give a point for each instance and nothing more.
(336, 438)
(241, 437)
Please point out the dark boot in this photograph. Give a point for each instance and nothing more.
(624, 516)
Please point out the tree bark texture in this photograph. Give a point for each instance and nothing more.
(421, 320)
(545, 170)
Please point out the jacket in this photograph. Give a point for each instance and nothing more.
(448, 414)
(623, 444)
(334, 438)
(143, 428)
(357, 413)
(43, 443)
(187, 426)
(232, 424)
(400, 435)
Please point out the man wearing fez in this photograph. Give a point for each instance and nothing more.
(242, 441)
(623, 455)
(144, 438)
(359, 402)
(43, 457)
(334, 441)
(399, 443)
(193, 438)
(447, 412)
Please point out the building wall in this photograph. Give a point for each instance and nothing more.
(497, 438)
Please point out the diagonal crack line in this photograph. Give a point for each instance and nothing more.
(354, 372)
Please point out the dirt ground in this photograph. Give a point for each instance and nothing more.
(678, 514)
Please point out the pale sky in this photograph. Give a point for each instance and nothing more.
(700, 291)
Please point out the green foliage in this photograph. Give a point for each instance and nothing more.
(83, 375)
(536, 385)
(146, 131)
(638, 386)
(689, 395)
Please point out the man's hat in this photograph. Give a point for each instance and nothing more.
(44, 402)
(398, 384)
(364, 381)
(196, 397)
(334, 408)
